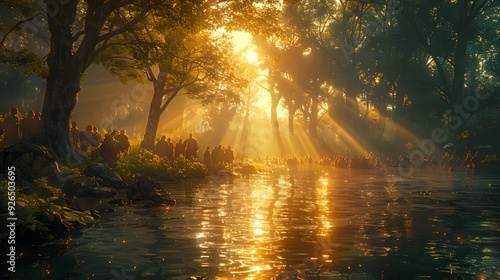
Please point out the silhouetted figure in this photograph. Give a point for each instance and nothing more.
(217, 155)
(445, 161)
(122, 138)
(75, 135)
(161, 148)
(87, 139)
(207, 157)
(28, 126)
(38, 120)
(170, 149)
(97, 136)
(11, 128)
(452, 163)
(180, 149)
(475, 160)
(228, 155)
(191, 147)
(110, 149)
(467, 159)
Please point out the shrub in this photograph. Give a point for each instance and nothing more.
(33, 211)
(145, 163)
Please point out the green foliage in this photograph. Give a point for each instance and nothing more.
(146, 163)
(28, 61)
(43, 189)
(34, 211)
(24, 8)
(258, 165)
(67, 171)
(42, 214)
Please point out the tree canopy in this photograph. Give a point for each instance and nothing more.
(339, 67)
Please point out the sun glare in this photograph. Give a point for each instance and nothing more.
(252, 56)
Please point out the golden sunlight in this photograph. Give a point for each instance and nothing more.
(253, 57)
(241, 40)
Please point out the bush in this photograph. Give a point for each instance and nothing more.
(33, 211)
(145, 163)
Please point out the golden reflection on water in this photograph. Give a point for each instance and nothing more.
(243, 220)
(254, 227)
(338, 223)
(259, 224)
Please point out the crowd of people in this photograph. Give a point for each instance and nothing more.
(16, 126)
(452, 160)
(113, 144)
(185, 149)
(189, 149)
(218, 156)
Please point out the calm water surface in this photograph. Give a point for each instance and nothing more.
(315, 223)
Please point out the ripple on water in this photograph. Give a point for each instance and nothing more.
(321, 223)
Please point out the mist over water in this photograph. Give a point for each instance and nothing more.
(314, 222)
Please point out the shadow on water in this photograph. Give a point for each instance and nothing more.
(314, 223)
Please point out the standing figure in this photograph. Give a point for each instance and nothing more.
(191, 147)
(161, 148)
(475, 161)
(75, 135)
(170, 149)
(228, 155)
(217, 155)
(180, 149)
(97, 136)
(38, 120)
(110, 149)
(87, 139)
(11, 128)
(122, 138)
(207, 157)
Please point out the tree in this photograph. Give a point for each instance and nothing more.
(445, 31)
(178, 55)
(264, 23)
(79, 31)
(79, 34)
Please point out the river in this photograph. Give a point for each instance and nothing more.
(309, 222)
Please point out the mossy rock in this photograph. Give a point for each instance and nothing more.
(87, 187)
(31, 162)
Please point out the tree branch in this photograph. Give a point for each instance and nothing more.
(17, 25)
(127, 27)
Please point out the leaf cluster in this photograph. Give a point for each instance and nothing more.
(33, 209)
(145, 163)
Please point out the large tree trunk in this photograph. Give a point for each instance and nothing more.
(460, 54)
(352, 108)
(153, 121)
(313, 117)
(275, 99)
(291, 116)
(155, 110)
(63, 85)
(60, 100)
